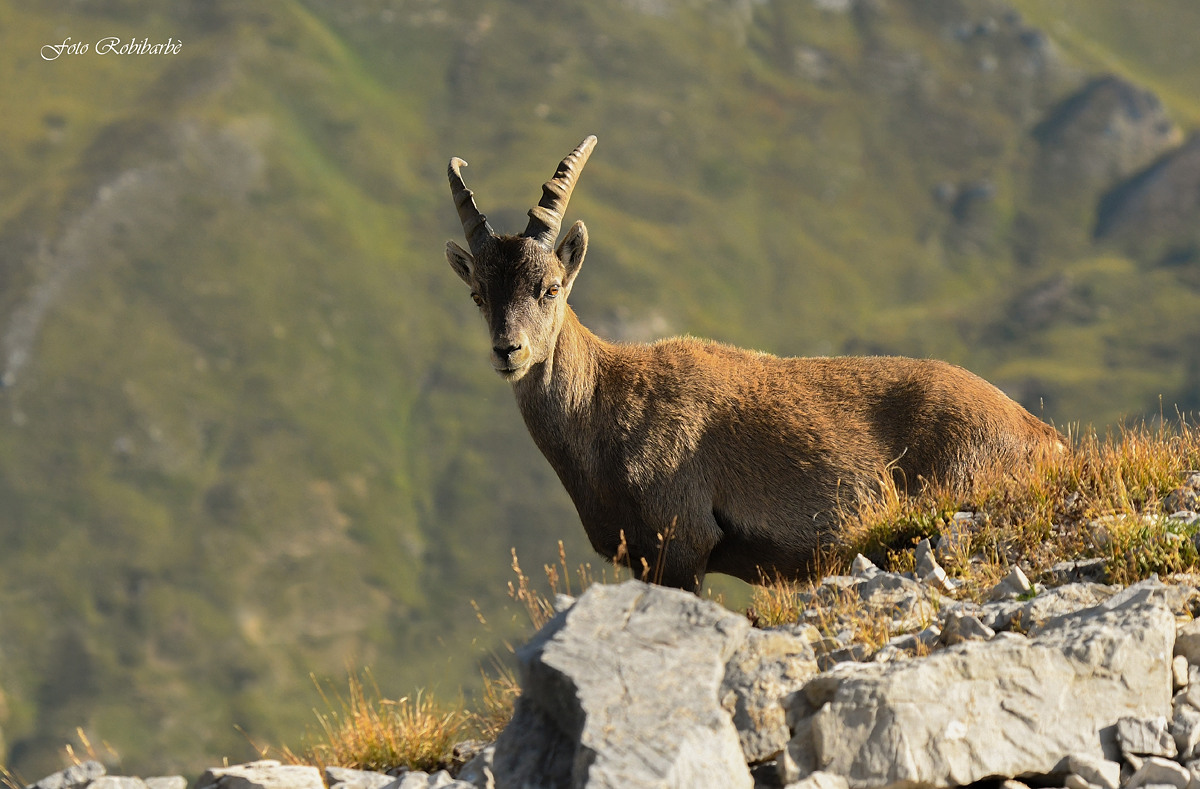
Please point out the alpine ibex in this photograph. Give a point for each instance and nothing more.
(746, 460)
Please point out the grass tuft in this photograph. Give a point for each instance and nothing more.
(365, 731)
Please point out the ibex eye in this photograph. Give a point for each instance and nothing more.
(477, 299)
(552, 291)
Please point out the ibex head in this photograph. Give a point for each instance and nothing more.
(521, 282)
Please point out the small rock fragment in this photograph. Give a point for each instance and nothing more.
(854, 653)
(862, 567)
(422, 780)
(1179, 672)
(1014, 584)
(923, 558)
(263, 774)
(166, 782)
(1185, 497)
(1074, 571)
(1187, 641)
(820, 780)
(938, 580)
(74, 777)
(1157, 770)
(1096, 771)
(117, 782)
(959, 627)
(1145, 737)
(1185, 728)
(478, 771)
(1074, 781)
(346, 778)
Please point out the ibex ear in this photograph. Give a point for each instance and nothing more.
(460, 260)
(572, 249)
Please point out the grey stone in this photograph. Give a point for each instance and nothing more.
(1145, 737)
(1179, 672)
(74, 777)
(958, 627)
(852, 653)
(923, 559)
(862, 567)
(1157, 770)
(622, 690)
(937, 580)
(1187, 642)
(1074, 781)
(1193, 768)
(1095, 770)
(1014, 584)
(166, 782)
(902, 598)
(417, 779)
(346, 778)
(1103, 599)
(767, 667)
(478, 771)
(820, 780)
(1185, 729)
(841, 581)
(1074, 571)
(1009, 706)
(1184, 498)
(117, 782)
(263, 774)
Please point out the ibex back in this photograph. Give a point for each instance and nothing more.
(746, 460)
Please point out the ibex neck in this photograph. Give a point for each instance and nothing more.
(566, 382)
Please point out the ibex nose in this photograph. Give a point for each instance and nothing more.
(505, 351)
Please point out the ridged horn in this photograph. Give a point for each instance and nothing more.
(475, 224)
(545, 219)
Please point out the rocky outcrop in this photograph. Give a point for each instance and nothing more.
(1010, 706)
(1085, 685)
(623, 690)
(1103, 133)
(1160, 203)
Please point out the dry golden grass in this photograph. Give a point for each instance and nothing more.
(500, 692)
(1102, 498)
(365, 731)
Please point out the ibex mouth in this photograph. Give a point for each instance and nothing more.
(514, 373)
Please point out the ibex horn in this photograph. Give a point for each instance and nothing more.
(545, 218)
(474, 223)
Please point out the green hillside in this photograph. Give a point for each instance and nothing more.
(248, 430)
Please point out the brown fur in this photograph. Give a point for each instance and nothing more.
(748, 460)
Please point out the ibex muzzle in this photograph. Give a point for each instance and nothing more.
(736, 461)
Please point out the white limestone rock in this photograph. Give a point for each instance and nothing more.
(1004, 707)
(263, 774)
(622, 690)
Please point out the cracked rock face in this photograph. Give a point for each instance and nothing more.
(622, 690)
(1004, 707)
